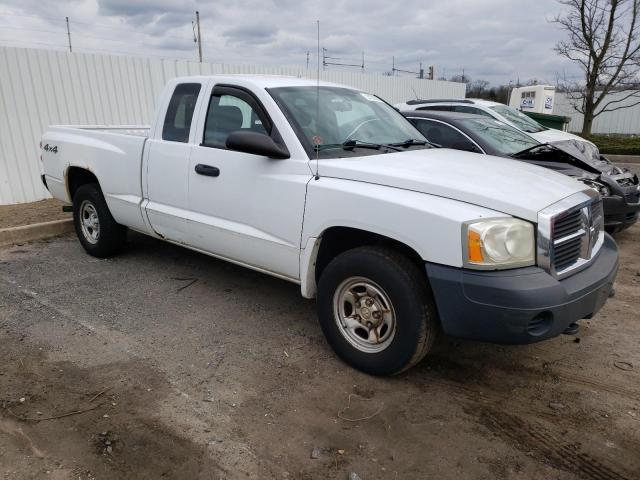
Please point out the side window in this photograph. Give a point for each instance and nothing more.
(474, 110)
(439, 108)
(230, 111)
(177, 121)
(444, 135)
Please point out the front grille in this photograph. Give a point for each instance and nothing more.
(567, 224)
(570, 233)
(625, 182)
(566, 254)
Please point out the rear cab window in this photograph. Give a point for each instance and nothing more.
(177, 121)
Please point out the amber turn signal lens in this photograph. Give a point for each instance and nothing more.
(474, 245)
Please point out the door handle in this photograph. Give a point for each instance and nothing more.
(207, 170)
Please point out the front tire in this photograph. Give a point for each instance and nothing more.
(97, 231)
(376, 310)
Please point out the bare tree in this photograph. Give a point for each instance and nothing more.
(604, 40)
(476, 88)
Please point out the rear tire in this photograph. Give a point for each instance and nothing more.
(97, 231)
(376, 310)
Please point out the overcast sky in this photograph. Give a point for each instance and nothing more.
(495, 40)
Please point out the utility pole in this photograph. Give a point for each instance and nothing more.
(394, 69)
(307, 59)
(199, 37)
(69, 34)
(421, 72)
(362, 62)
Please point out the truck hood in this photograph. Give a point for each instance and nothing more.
(500, 184)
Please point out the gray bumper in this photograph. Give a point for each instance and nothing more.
(523, 305)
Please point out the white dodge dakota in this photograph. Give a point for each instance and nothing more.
(331, 188)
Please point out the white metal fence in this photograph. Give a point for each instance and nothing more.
(44, 87)
(622, 121)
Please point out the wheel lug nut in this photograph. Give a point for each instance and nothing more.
(369, 301)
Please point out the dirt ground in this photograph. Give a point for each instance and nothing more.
(36, 212)
(186, 367)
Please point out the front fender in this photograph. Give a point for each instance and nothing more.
(428, 224)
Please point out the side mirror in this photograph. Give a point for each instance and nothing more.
(256, 144)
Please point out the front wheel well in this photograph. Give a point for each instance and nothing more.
(76, 177)
(337, 240)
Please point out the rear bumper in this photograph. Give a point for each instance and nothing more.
(523, 305)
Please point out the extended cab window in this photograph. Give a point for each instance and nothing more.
(231, 110)
(177, 121)
(444, 135)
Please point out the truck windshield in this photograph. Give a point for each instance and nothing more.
(517, 118)
(501, 137)
(335, 122)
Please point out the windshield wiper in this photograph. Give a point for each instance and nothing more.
(533, 149)
(411, 142)
(351, 144)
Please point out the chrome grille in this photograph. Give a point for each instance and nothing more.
(570, 233)
(567, 253)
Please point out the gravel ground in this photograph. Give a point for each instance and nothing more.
(183, 366)
(28, 213)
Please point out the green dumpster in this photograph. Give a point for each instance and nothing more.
(557, 122)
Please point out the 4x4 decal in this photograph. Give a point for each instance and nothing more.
(50, 148)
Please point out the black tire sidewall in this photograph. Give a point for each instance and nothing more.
(112, 235)
(410, 302)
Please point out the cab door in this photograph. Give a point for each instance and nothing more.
(167, 164)
(243, 207)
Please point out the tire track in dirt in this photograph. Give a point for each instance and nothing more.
(488, 405)
(607, 387)
(559, 453)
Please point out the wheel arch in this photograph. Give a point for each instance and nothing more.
(335, 240)
(78, 176)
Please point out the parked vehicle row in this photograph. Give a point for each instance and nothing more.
(619, 188)
(505, 114)
(331, 188)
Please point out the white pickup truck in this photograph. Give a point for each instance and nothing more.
(331, 188)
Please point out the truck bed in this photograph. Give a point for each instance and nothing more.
(134, 130)
(113, 153)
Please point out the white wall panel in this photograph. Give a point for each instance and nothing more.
(621, 121)
(45, 87)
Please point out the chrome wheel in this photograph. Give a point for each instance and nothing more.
(364, 314)
(89, 222)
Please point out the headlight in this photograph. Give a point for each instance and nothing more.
(599, 187)
(498, 243)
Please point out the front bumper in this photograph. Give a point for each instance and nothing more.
(523, 305)
(619, 212)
